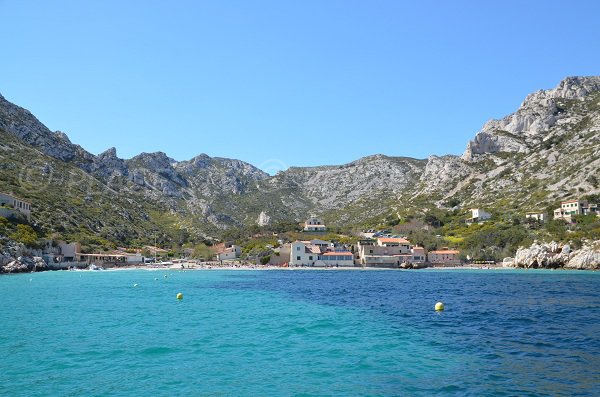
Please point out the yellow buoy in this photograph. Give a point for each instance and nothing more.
(439, 306)
(180, 296)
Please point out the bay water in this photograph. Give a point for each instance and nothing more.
(300, 333)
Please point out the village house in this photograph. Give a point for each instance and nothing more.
(320, 253)
(228, 251)
(575, 207)
(388, 252)
(478, 215)
(538, 216)
(444, 256)
(314, 224)
(9, 205)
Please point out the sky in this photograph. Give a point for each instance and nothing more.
(286, 83)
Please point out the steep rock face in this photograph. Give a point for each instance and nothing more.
(443, 173)
(212, 176)
(334, 186)
(158, 173)
(108, 165)
(539, 112)
(21, 123)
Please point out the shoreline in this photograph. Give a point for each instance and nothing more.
(194, 267)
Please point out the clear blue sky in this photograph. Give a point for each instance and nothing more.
(292, 82)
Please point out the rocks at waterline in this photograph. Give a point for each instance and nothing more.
(24, 264)
(584, 259)
(554, 255)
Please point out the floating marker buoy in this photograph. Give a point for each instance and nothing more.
(439, 307)
(180, 296)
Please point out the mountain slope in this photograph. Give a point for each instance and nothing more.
(548, 150)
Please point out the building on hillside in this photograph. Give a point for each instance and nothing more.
(538, 216)
(575, 207)
(478, 215)
(388, 252)
(368, 234)
(314, 224)
(444, 256)
(10, 204)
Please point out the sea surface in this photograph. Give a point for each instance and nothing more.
(300, 333)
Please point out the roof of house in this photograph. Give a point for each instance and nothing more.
(313, 249)
(393, 240)
(445, 252)
(570, 201)
(344, 253)
(14, 197)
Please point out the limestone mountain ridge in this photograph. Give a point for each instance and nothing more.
(548, 150)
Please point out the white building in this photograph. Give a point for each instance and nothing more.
(9, 204)
(320, 253)
(304, 253)
(538, 216)
(229, 253)
(314, 224)
(478, 215)
(575, 207)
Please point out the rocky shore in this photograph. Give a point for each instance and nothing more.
(15, 258)
(555, 256)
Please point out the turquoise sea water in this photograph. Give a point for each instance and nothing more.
(300, 333)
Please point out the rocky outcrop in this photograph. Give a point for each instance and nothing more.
(585, 258)
(24, 264)
(554, 255)
(263, 219)
(21, 123)
(108, 165)
(520, 131)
